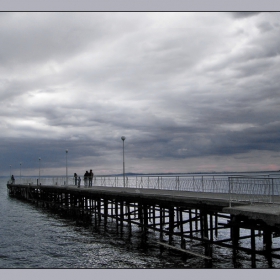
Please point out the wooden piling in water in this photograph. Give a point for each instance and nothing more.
(121, 216)
(190, 223)
(196, 219)
(211, 227)
(216, 224)
(105, 212)
(129, 217)
(253, 248)
(161, 223)
(171, 223)
(182, 228)
(117, 215)
(234, 231)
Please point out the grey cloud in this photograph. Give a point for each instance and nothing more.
(218, 143)
(265, 27)
(39, 37)
(182, 92)
(244, 14)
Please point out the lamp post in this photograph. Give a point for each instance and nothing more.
(20, 172)
(123, 138)
(66, 167)
(10, 171)
(39, 170)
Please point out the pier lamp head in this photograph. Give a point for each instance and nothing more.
(66, 151)
(39, 158)
(123, 138)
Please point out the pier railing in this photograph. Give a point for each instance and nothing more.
(177, 183)
(239, 188)
(254, 190)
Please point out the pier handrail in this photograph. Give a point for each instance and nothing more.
(253, 189)
(240, 188)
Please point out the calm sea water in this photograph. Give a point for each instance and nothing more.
(32, 237)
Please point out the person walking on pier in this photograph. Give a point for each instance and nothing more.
(13, 179)
(86, 177)
(90, 178)
(75, 178)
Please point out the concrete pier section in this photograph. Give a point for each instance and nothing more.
(270, 214)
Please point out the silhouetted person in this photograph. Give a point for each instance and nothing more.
(13, 179)
(75, 177)
(86, 177)
(90, 178)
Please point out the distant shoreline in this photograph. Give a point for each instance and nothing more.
(162, 174)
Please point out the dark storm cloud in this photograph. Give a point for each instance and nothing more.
(201, 142)
(244, 14)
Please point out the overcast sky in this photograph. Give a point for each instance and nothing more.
(191, 92)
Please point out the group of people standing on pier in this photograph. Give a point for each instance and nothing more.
(88, 177)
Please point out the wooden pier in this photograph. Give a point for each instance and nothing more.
(179, 217)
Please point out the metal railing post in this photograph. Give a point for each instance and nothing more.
(177, 183)
(202, 184)
(229, 190)
(272, 190)
(193, 184)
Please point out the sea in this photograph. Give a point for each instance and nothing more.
(35, 238)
